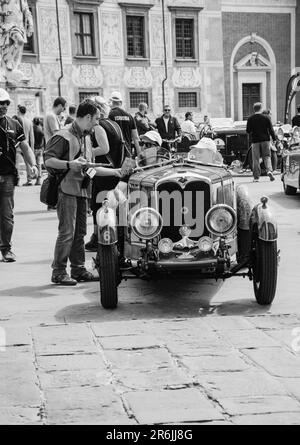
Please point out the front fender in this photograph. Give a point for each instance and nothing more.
(107, 226)
(262, 218)
(244, 207)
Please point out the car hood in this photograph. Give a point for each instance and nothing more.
(188, 170)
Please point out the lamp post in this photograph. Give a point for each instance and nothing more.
(59, 49)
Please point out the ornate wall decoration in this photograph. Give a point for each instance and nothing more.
(187, 77)
(110, 25)
(157, 41)
(48, 32)
(113, 76)
(138, 77)
(87, 76)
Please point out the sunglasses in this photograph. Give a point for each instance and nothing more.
(167, 109)
(147, 144)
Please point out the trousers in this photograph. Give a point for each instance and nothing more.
(7, 189)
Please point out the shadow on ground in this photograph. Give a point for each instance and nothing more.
(167, 299)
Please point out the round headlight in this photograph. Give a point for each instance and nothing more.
(165, 245)
(146, 223)
(221, 220)
(205, 244)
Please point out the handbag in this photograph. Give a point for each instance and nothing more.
(49, 189)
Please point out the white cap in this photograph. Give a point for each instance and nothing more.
(116, 96)
(153, 136)
(4, 95)
(207, 143)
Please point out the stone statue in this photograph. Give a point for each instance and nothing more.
(16, 25)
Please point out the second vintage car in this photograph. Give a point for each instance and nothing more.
(184, 213)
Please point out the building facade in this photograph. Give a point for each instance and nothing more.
(213, 57)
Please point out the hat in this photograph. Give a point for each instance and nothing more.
(4, 96)
(152, 136)
(207, 143)
(101, 104)
(116, 96)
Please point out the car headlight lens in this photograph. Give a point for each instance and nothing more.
(146, 223)
(205, 244)
(221, 220)
(165, 245)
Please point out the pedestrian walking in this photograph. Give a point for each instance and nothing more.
(11, 137)
(39, 145)
(126, 123)
(260, 129)
(69, 152)
(296, 118)
(53, 121)
(29, 135)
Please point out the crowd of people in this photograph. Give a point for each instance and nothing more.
(91, 151)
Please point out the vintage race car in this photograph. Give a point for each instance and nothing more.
(290, 168)
(182, 215)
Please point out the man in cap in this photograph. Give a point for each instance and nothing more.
(151, 142)
(11, 136)
(125, 121)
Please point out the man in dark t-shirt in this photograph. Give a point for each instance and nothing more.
(260, 130)
(11, 136)
(126, 123)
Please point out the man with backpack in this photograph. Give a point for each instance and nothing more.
(69, 152)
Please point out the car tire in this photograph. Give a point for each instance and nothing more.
(288, 190)
(265, 265)
(108, 274)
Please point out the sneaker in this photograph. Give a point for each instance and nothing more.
(63, 279)
(271, 176)
(255, 180)
(8, 257)
(92, 245)
(28, 183)
(85, 276)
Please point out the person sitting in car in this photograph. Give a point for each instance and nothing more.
(206, 151)
(151, 143)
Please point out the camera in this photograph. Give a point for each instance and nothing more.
(88, 175)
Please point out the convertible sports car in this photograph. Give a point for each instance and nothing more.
(183, 213)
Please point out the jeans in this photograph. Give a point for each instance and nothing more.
(7, 188)
(72, 216)
(261, 150)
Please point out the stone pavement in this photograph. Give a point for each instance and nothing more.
(172, 353)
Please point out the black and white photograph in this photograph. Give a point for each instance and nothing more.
(149, 215)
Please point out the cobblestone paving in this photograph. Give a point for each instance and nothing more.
(228, 370)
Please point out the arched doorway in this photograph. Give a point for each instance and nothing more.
(253, 77)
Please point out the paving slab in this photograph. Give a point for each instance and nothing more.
(19, 415)
(289, 418)
(292, 386)
(246, 383)
(276, 361)
(70, 362)
(249, 339)
(165, 378)
(230, 323)
(67, 379)
(130, 342)
(146, 359)
(259, 405)
(87, 417)
(182, 405)
(225, 363)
